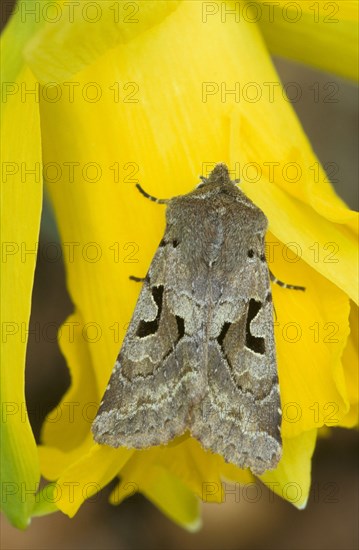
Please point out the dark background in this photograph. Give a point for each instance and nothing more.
(330, 520)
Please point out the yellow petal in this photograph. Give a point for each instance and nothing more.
(311, 332)
(291, 479)
(323, 34)
(68, 425)
(61, 49)
(199, 469)
(21, 200)
(54, 461)
(192, 467)
(86, 477)
(146, 473)
(173, 498)
(350, 363)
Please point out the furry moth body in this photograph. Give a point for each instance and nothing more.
(199, 354)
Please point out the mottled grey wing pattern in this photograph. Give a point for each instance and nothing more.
(155, 379)
(239, 416)
(199, 353)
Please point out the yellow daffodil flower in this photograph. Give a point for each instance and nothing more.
(98, 98)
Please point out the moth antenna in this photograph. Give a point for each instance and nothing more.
(284, 285)
(150, 197)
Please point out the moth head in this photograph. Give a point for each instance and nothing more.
(218, 176)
